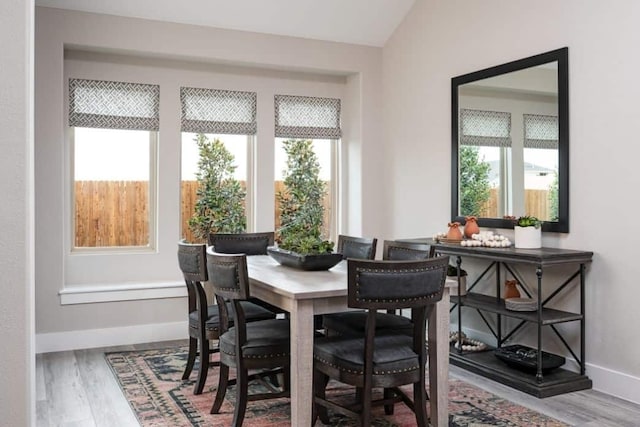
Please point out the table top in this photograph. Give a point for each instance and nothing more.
(298, 284)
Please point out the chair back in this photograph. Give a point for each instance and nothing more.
(357, 247)
(400, 251)
(228, 275)
(241, 243)
(396, 284)
(193, 264)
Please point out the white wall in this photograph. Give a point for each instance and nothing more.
(439, 40)
(17, 370)
(172, 55)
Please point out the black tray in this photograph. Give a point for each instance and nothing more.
(526, 358)
(304, 262)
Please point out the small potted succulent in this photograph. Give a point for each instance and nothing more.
(528, 232)
(452, 273)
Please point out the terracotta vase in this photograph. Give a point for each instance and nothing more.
(470, 226)
(510, 289)
(454, 232)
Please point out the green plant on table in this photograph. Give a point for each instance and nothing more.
(301, 207)
(528, 221)
(219, 207)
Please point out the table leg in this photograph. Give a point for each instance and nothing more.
(438, 338)
(301, 318)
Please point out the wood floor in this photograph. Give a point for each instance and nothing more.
(77, 389)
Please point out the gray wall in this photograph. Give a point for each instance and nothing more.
(17, 399)
(439, 40)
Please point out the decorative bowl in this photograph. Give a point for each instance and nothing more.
(304, 262)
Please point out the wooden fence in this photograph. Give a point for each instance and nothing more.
(536, 203)
(115, 213)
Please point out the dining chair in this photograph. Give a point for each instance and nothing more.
(248, 244)
(381, 361)
(357, 247)
(352, 323)
(263, 345)
(204, 318)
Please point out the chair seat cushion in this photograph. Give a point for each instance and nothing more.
(265, 339)
(352, 323)
(393, 354)
(253, 312)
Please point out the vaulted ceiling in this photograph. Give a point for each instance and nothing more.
(366, 22)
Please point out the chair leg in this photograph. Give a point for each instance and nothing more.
(420, 404)
(191, 357)
(204, 367)
(365, 415)
(320, 382)
(223, 382)
(388, 409)
(242, 391)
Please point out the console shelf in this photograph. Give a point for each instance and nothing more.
(535, 382)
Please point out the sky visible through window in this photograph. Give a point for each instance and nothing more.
(123, 155)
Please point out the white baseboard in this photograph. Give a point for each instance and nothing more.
(605, 380)
(107, 337)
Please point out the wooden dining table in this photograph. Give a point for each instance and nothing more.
(305, 294)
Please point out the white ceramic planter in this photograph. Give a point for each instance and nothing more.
(528, 237)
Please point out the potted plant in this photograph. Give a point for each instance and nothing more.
(452, 274)
(300, 243)
(528, 232)
(219, 207)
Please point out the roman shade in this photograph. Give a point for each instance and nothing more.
(485, 128)
(114, 105)
(218, 111)
(307, 117)
(540, 131)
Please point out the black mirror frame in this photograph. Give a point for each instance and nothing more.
(562, 57)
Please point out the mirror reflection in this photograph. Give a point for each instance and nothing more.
(510, 142)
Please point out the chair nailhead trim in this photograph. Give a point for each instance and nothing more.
(266, 356)
(360, 372)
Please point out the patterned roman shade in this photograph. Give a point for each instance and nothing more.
(307, 117)
(485, 128)
(218, 111)
(113, 105)
(540, 131)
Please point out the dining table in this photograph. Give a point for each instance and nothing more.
(305, 294)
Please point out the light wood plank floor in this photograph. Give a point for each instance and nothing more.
(77, 389)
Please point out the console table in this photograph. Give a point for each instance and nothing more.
(501, 260)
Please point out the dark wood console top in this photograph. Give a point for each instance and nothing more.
(542, 256)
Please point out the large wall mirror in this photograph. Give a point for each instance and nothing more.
(510, 142)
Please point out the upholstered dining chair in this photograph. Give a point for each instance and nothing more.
(381, 361)
(352, 323)
(248, 244)
(204, 318)
(263, 345)
(357, 247)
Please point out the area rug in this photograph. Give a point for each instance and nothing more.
(151, 381)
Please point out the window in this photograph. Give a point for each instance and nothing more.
(318, 120)
(113, 137)
(541, 166)
(219, 115)
(485, 139)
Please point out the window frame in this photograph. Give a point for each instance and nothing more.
(153, 200)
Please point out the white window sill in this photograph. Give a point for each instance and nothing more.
(89, 294)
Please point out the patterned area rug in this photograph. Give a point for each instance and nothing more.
(151, 382)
